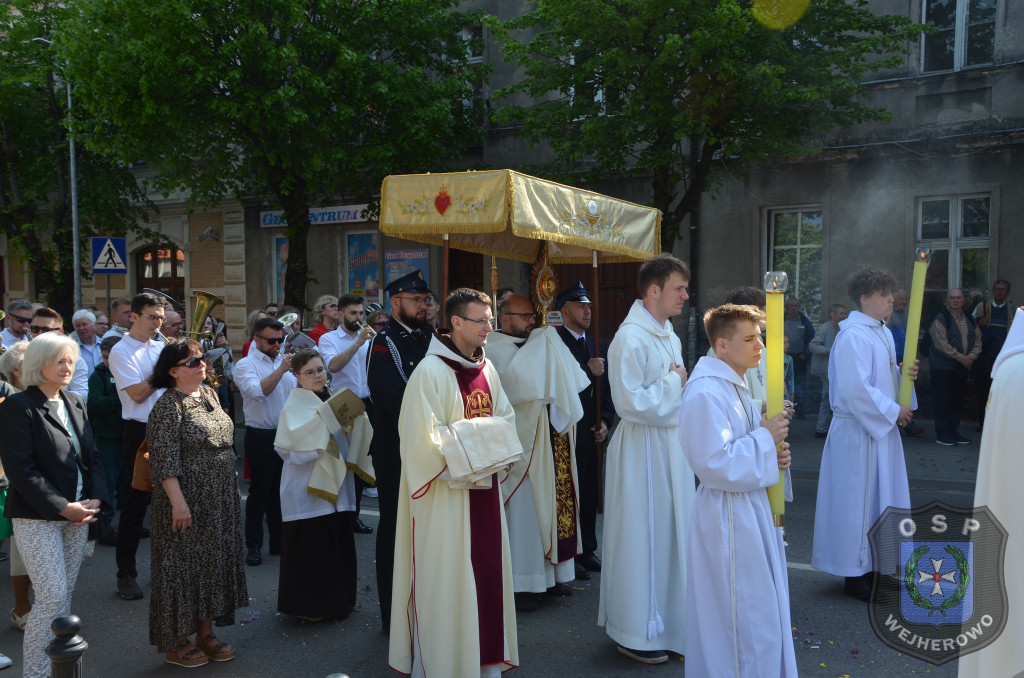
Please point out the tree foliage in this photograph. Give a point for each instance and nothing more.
(663, 89)
(296, 102)
(35, 194)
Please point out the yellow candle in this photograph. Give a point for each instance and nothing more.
(921, 258)
(775, 287)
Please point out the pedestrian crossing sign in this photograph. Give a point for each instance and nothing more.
(109, 256)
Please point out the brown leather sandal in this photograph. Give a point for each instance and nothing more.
(187, 656)
(215, 648)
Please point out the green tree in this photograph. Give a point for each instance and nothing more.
(35, 203)
(293, 101)
(664, 89)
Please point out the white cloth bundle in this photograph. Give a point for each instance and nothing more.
(475, 448)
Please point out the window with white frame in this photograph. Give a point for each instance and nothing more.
(956, 228)
(964, 35)
(794, 246)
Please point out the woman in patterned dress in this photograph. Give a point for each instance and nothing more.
(198, 575)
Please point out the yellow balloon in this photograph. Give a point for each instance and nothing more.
(779, 14)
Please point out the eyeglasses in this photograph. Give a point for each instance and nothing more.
(379, 323)
(155, 318)
(313, 373)
(169, 325)
(332, 306)
(523, 315)
(20, 319)
(36, 329)
(192, 362)
(272, 314)
(270, 340)
(482, 322)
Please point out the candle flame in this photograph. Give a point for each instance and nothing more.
(923, 254)
(775, 281)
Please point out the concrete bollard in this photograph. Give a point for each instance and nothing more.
(66, 650)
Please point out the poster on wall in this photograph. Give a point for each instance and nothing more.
(280, 266)
(364, 265)
(403, 262)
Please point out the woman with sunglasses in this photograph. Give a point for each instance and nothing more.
(317, 578)
(198, 575)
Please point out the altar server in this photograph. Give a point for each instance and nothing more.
(737, 589)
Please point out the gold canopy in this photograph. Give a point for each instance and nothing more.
(507, 214)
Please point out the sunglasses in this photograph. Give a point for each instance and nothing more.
(271, 340)
(36, 329)
(20, 319)
(191, 362)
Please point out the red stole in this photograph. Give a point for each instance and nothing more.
(484, 525)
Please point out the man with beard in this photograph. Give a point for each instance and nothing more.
(265, 380)
(344, 350)
(542, 381)
(394, 354)
(575, 307)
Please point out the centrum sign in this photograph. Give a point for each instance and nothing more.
(343, 214)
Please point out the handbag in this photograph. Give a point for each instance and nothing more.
(141, 478)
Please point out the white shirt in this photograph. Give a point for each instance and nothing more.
(91, 353)
(131, 363)
(9, 339)
(261, 411)
(80, 379)
(353, 375)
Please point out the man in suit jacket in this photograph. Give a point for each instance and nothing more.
(395, 352)
(590, 434)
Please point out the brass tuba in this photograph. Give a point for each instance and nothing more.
(205, 302)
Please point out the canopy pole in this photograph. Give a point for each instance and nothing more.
(444, 278)
(494, 284)
(595, 329)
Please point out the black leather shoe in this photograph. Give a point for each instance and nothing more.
(858, 587)
(581, 572)
(253, 557)
(359, 527)
(589, 561)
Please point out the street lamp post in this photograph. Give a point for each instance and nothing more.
(75, 244)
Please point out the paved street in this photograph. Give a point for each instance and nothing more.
(833, 636)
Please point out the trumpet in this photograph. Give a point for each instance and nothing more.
(363, 327)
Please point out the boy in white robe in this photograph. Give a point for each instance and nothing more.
(649, 486)
(737, 589)
(862, 468)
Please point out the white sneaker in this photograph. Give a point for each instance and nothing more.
(370, 492)
(5, 661)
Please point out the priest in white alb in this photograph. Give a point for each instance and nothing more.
(862, 467)
(998, 488)
(453, 612)
(737, 587)
(649, 487)
(542, 381)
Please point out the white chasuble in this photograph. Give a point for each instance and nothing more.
(999, 488)
(441, 576)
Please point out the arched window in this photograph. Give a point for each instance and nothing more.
(161, 269)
